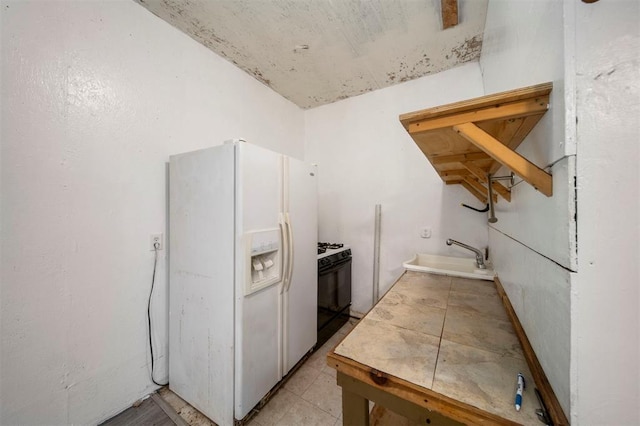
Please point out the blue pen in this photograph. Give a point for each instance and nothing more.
(521, 387)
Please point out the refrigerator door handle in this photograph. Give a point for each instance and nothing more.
(290, 251)
(284, 252)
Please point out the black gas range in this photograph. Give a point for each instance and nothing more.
(334, 288)
(323, 247)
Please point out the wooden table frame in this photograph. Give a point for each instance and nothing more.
(355, 404)
(361, 383)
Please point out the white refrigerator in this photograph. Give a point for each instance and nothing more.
(243, 274)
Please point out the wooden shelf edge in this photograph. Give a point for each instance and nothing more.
(522, 108)
(553, 406)
(529, 92)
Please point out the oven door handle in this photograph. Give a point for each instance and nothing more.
(334, 267)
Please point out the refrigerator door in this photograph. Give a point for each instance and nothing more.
(258, 326)
(201, 286)
(300, 295)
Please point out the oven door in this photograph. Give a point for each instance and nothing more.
(334, 291)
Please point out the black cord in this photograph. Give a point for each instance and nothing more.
(153, 279)
(486, 209)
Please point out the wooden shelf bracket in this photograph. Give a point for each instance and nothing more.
(467, 141)
(524, 168)
(482, 177)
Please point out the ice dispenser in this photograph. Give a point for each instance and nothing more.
(264, 259)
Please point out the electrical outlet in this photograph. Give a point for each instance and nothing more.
(156, 239)
(425, 232)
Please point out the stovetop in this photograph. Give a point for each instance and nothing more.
(327, 249)
(323, 247)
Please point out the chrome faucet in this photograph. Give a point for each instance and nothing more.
(479, 256)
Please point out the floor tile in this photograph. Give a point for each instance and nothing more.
(305, 413)
(254, 422)
(325, 394)
(172, 399)
(481, 332)
(195, 417)
(333, 341)
(348, 326)
(318, 359)
(407, 354)
(276, 408)
(301, 380)
(330, 371)
(147, 413)
(485, 380)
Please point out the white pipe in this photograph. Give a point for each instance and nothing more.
(376, 255)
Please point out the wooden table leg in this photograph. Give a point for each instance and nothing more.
(355, 409)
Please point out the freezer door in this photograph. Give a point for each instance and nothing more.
(201, 286)
(258, 325)
(301, 293)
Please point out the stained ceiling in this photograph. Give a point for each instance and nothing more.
(315, 52)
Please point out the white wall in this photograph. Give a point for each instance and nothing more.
(575, 287)
(534, 241)
(365, 157)
(95, 97)
(606, 300)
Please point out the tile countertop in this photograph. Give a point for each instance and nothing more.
(450, 335)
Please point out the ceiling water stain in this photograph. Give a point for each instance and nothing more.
(258, 74)
(469, 50)
(386, 41)
(205, 33)
(419, 69)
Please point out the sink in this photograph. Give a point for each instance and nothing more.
(446, 265)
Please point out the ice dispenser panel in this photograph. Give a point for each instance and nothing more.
(264, 259)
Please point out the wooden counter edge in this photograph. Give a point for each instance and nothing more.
(415, 394)
(553, 406)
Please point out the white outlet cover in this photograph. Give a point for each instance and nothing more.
(426, 232)
(156, 238)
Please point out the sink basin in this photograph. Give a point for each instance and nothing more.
(447, 265)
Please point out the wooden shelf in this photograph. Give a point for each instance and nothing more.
(465, 141)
